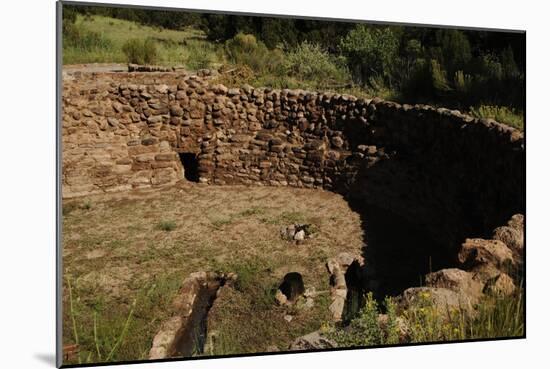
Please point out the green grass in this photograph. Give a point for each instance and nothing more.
(175, 47)
(107, 331)
(501, 114)
(252, 301)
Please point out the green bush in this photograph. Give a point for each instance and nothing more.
(140, 51)
(308, 62)
(244, 49)
(364, 330)
(371, 52)
(199, 54)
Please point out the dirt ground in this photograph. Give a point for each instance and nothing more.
(125, 255)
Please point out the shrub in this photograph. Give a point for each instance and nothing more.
(140, 51)
(244, 49)
(371, 51)
(200, 54)
(364, 330)
(308, 62)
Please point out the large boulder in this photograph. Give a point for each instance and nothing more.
(456, 280)
(517, 221)
(511, 237)
(312, 341)
(512, 234)
(501, 285)
(443, 300)
(477, 253)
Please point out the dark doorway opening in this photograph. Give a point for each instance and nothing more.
(190, 166)
(292, 286)
(355, 297)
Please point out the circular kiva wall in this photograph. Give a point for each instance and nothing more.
(451, 174)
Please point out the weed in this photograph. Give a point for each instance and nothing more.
(256, 210)
(391, 334)
(87, 205)
(166, 225)
(68, 207)
(498, 316)
(219, 221)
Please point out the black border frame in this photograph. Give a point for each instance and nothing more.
(59, 246)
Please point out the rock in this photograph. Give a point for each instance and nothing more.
(371, 150)
(149, 141)
(163, 339)
(512, 237)
(221, 89)
(339, 279)
(312, 341)
(332, 265)
(113, 122)
(233, 91)
(280, 298)
(442, 299)
(477, 253)
(309, 303)
(161, 89)
(300, 235)
(288, 318)
(457, 280)
(517, 222)
(337, 141)
(310, 292)
(345, 259)
(337, 308)
(501, 285)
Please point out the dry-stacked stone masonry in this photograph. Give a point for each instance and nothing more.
(451, 174)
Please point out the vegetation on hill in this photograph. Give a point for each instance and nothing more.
(480, 72)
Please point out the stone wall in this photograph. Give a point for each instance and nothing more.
(454, 175)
